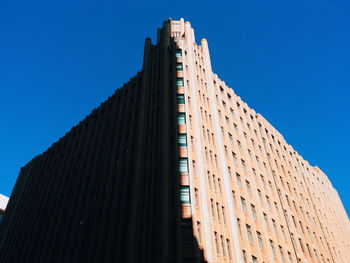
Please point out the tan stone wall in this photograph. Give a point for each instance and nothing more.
(246, 181)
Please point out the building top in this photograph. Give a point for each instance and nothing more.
(182, 32)
(3, 202)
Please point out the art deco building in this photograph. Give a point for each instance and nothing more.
(174, 167)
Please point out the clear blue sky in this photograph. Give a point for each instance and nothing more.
(289, 60)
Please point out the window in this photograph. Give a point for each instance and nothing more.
(182, 139)
(268, 201)
(283, 233)
(212, 208)
(179, 82)
(185, 194)
(199, 231)
(178, 52)
(244, 256)
(223, 214)
(253, 212)
(222, 245)
(239, 181)
(180, 99)
(276, 206)
(234, 197)
(228, 245)
(183, 165)
(181, 118)
(243, 165)
(214, 183)
(266, 221)
(218, 211)
(281, 253)
(179, 66)
(254, 259)
(239, 145)
(260, 196)
(301, 226)
(234, 158)
(216, 242)
(239, 226)
(230, 137)
(275, 227)
(249, 233)
(219, 186)
(272, 248)
(196, 199)
(301, 245)
(244, 205)
(260, 241)
(248, 187)
(271, 187)
(295, 224)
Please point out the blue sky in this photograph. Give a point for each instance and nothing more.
(289, 60)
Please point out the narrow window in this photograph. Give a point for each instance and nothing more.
(179, 66)
(181, 118)
(182, 139)
(216, 242)
(178, 52)
(180, 99)
(260, 241)
(239, 181)
(185, 194)
(281, 253)
(248, 187)
(183, 165)
(249, 233)
(244, 206)
(228, 245)
(199, 231)
(272, 248)
(239, 226)
(222, 245)
(179, 82)
(254, 212)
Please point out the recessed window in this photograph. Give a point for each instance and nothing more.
(179, 66)
(260, 241)
(249, 233)
(178, 52)
(181, 118)
(185, 194)
(244, 206)
(179, 82)
(182, 139)
(183, 165)
(180, 99)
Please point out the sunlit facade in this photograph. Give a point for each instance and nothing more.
(253, 198)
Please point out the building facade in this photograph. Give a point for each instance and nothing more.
(174, 167)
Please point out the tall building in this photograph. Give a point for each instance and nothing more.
(174, 167)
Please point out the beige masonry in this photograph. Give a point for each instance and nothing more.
(253, 196)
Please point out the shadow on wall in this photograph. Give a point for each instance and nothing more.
(191, 251)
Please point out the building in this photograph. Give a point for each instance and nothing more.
(3, 203)
(174, 167)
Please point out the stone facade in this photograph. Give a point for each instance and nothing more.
(173, 167)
